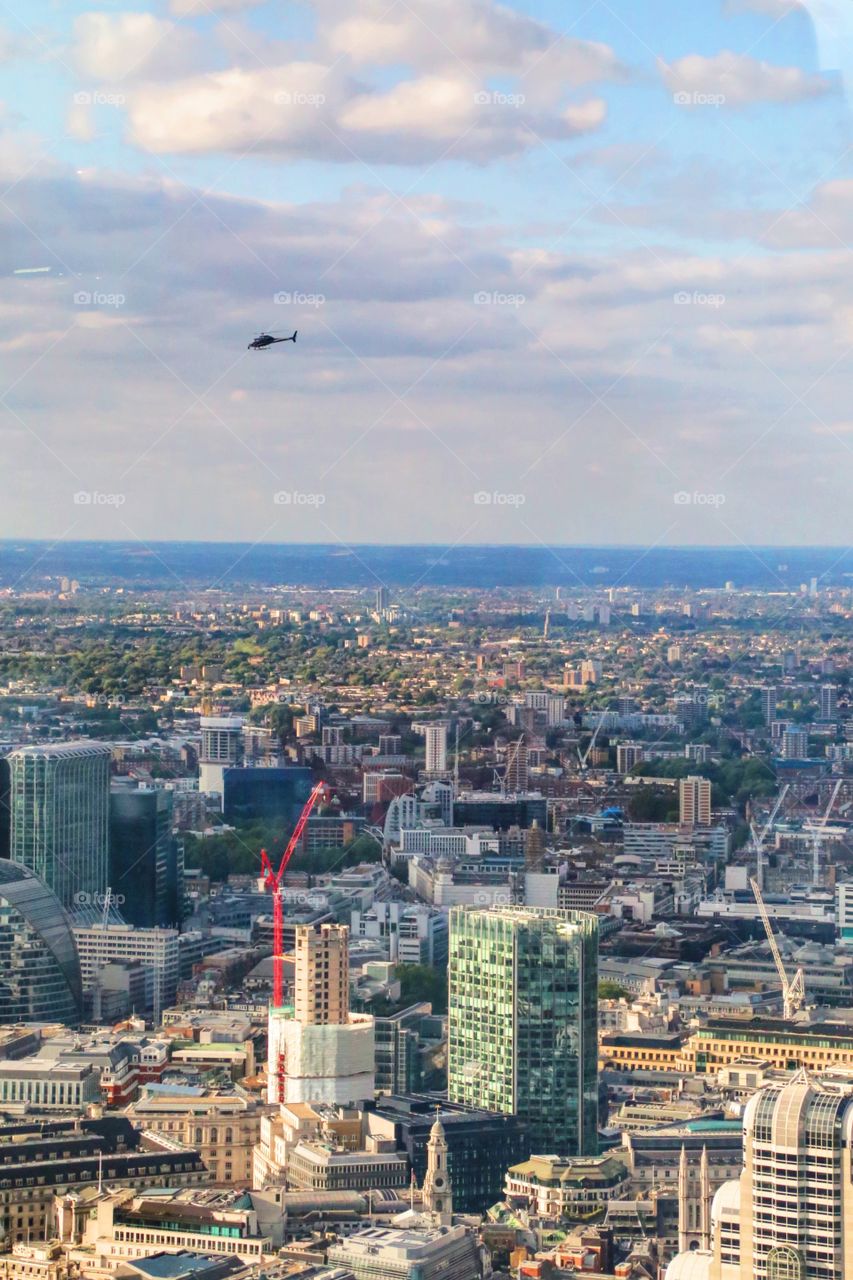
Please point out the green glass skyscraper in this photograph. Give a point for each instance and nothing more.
(523, 1012)
(59, 800)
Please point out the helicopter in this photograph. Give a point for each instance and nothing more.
(267, 340)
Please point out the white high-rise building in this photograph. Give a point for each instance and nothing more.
(790, 1214)
(221, 749)
(435, 736)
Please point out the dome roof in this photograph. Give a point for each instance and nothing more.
(694, 1264)
(726, 1199)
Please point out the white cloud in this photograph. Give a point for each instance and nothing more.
(768, 8)
(203, 8)
(307, 108)
(740, 80)
(114, 48)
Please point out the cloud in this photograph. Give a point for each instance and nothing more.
(203, 8)
(114, 48)
(739, 80)
(768, 8)
(311, 109)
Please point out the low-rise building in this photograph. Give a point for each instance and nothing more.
(389, 1253)
(223, 1126)
(576, 1188)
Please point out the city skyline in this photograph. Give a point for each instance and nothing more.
(558, 279)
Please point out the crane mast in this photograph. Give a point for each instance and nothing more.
(793, 993)
(273, 881)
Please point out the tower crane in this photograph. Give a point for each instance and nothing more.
(817, 832)
(273, 881)
(758, 841)
(793, 993)
(584, 756)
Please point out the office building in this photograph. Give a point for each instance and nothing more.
(323, 1052)
(222, 1124)
(157, 950)
(145, 878)
(104, 1228)
(769, 700)
(481, 1144)
(522, 1021)
(59, 799)
(795, 744)
(39, 970)
(390, 1253)
(382, 599)
(222, 747)
(435, 737)
(40, 1157)
(828, 702)
(488, 809)
(263, 794)
(628, 756)
(788, 1216)
(694, 802)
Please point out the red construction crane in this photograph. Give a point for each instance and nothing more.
(273, 879)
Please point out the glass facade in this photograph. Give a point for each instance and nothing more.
(523, 1000)
(266, 795)
(59, 798)
(39, 969)
(144, 864)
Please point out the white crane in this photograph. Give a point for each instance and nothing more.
(817, 832)
(586, 754)
(793, 993)
(758, 841)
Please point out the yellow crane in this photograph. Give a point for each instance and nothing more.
(793, 993)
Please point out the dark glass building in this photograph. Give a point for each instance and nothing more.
(266, 795)
(145, 873)
(500, 812)
(480, 1144)
(39, 969)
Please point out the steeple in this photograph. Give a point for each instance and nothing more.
(437, 1195)
(683, 1202)
(704, 1202)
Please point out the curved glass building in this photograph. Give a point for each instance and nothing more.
(39, 969)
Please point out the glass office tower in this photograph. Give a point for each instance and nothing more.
(523, 1007)
(59, 801)
(39, 969)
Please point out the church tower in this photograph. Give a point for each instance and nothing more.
(437, 1196)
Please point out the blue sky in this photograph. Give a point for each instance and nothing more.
(581, 258)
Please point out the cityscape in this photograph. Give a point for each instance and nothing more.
(426, 602)
(452, 931)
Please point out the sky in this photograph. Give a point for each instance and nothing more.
(563, 271)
